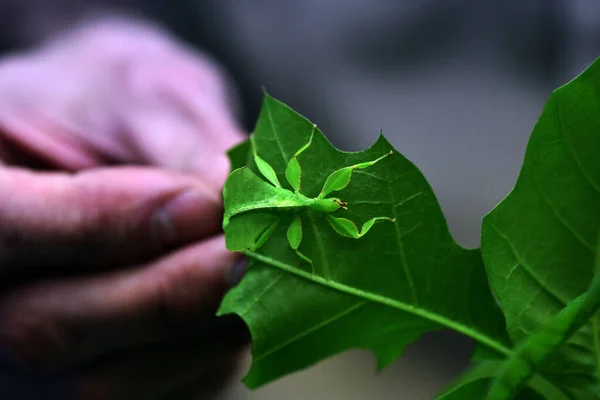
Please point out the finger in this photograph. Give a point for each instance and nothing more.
(179, 117)
(39, 139)
(159, 134)
(65, 322)
(52, 222)
(214, 112)
(194, 87)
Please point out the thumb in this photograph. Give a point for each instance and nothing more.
(52, 222)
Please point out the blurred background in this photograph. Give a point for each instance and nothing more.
(456, 86)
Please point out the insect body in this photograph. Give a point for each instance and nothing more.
(260, 203)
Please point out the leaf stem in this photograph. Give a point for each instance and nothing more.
(386, 301)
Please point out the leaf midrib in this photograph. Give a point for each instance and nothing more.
(386, 301)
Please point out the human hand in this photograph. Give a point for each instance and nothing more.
(112, 141)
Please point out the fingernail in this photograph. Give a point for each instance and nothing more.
(190, 215)
(237, 272)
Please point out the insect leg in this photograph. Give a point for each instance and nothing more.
(264, 236)
(293, 172)
(339, 179)
(263, 166)
(347, 228)
(294, 235)
(369, 163)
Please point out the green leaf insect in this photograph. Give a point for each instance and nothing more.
(254, 207)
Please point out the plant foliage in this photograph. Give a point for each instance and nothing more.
(526, 297)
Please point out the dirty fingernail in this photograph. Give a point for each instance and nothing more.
(190, 215)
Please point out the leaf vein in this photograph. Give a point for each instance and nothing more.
(528, 270)
(572, 152)
(275, 134)
(325, 263)
(403, 260)
(380, 178)
(386, 301)
(559, 218)
(262, 293)
(310, 330)
(406, 200)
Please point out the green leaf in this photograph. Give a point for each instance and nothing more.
(379, 292)
(527, 358)
(539, 243)
(474, 384)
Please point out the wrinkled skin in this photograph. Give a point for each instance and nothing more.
(112, 149)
